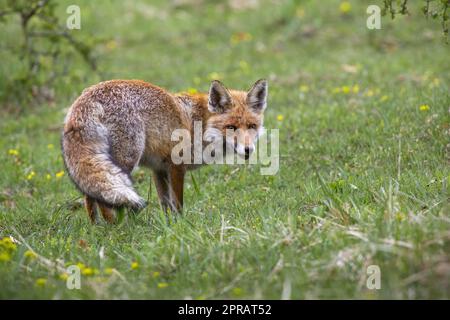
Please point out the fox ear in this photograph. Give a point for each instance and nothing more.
(257, 96)
(219, 98)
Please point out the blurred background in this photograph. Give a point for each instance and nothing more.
(183, 44)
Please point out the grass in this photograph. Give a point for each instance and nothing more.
(364, 162)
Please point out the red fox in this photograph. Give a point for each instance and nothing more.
(119, 124)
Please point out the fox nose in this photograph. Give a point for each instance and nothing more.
(248, 150)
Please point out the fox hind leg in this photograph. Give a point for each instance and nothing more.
(91, 208)
(107, 213)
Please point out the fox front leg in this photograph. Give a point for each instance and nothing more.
(176, 175)
(161, 180)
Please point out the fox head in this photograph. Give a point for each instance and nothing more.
(236, 116)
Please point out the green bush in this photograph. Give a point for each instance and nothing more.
(43, 47)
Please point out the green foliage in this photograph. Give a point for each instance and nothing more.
(436, 9)
(44, 47)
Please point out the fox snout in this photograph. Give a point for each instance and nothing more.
(244, 142)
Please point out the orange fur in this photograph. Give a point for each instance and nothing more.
(119, 124)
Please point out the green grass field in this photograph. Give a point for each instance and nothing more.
(364, 161)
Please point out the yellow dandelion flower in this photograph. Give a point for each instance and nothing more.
(31, 175)
(280, 117)
(13, 152)
(50, 146)
(300, 12)
(111, 45)
(384, 98)
(8, 244)
(6, 241)
(336, 90)
(355, 88)
(155, 274)
(80, 265)
(369, 93)
(134, 265)
(237, 291)
(48, 176)
(41, 282)
(400, 216)
(29, 254)
(162, 285)
(304, 88)
(5, 257)
(108, 271)
(63, 276)
(59, 174)
(88, 271)
(424, 107)
(345, 7)
(345, 89)
(192, 91)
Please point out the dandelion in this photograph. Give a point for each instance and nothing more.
(162, 285)
(31, 175)
(89, 271)
(63, 276)
(400, 216)
(50, 146)
(59, 174)
(155, 274)
(80, 265)
(336, 90)
(192, 91)
(13, 152)
(48, 176)
(384, 98)
(41, 282)
(424, 107)
(280, 117)
(108, 271)
(5, 257)
(300, 12)
(8, 244)
(111, 45)
(304, 88)
(345, 89)
(355, 88)
(134, 265)
(237, 291)
(29, 254)
(369, 93)
(345, 7)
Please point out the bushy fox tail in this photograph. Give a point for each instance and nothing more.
(89, 164)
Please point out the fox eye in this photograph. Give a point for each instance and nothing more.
(252, 126)
(230, 127)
